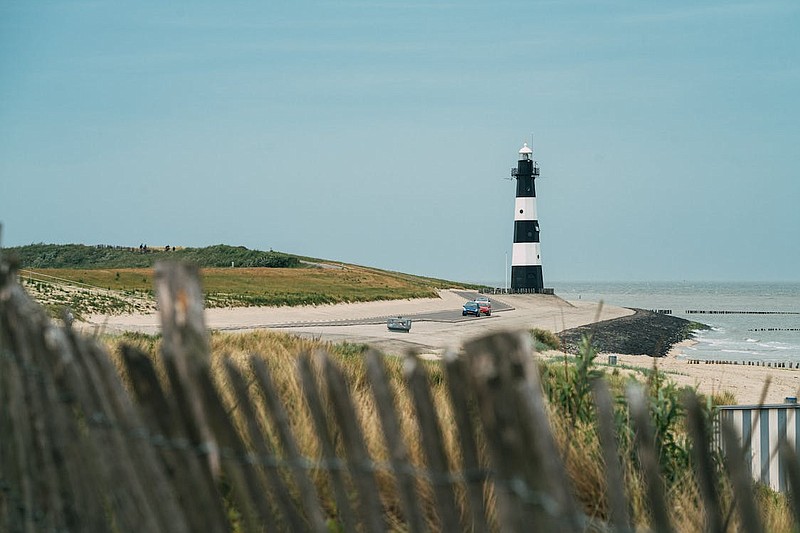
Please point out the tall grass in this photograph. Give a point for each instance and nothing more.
(567, 385)
(280, 353)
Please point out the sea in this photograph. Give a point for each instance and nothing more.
(748, 321)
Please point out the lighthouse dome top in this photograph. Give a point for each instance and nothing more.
(525, 152)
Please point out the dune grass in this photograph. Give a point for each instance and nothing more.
(236, 287)
(115, 279)
(566, 387)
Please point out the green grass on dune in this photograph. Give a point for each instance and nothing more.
(129, 272)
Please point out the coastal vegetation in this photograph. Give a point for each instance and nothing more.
(567, 384)
(544, 340)
(81, 256)
(568, 388)
(114, 280)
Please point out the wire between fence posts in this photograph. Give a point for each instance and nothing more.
(705, 473)
(112, 451)
(283, 515)
(648, 458)
(616, 490)
(311, 391)
(188, 473)
(740, 479)
(358, 460)
(432, 443)
(793, 474)
(463, 413)
(393, 437)
(280, 420)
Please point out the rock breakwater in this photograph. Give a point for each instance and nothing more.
(643, 333)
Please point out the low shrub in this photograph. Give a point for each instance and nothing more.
(545, 340)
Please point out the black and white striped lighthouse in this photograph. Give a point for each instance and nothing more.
(526, 261)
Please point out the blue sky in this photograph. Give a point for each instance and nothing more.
(380, 133)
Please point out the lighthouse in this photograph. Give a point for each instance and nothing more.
(526, 261)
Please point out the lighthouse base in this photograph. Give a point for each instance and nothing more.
(527, 278)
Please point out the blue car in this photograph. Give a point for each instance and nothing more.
(471, 308)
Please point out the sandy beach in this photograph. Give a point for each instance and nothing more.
(438, 326)
(745, 382)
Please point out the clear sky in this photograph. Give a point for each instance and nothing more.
(380, 133)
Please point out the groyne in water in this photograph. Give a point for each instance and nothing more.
(702, 312)
(653, 333)
(768, 364)
(724, 312)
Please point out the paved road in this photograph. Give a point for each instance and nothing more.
(497, 305)
(438, 323)
(455, 314)
(450, 315)
(435, 330)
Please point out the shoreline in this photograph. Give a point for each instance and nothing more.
(636, 338)
(745, 383)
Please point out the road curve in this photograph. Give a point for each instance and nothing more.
(437, 322)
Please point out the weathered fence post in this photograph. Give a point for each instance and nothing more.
(185, 348)
(186, 354)
(122, 444)
(531, 484)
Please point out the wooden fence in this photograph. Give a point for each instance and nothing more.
(79, 452)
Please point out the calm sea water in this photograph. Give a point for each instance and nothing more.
(771, 336)
(758, 337)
